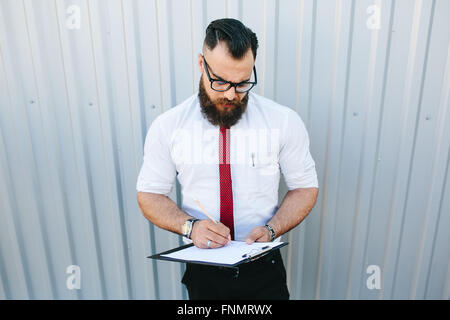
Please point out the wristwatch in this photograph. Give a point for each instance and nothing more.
(271, 231)
(187, 226)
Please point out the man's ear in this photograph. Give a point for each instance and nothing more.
(200, 63)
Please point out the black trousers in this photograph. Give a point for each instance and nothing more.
(264, 278)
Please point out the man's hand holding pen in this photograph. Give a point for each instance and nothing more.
(207, 234)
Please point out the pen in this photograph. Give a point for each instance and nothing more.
(209, 216)
(204, 211)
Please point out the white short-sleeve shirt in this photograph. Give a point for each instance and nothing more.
(268, 139)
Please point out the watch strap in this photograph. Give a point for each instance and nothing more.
(271, 231)
(192, 220)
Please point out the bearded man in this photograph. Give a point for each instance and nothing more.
(227, 147)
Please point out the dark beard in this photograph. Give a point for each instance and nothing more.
(225, 118)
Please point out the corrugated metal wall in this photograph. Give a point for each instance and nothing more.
(77, 97)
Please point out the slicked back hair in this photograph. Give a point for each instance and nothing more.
(236, 35)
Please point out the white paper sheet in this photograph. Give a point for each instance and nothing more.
(228, 255)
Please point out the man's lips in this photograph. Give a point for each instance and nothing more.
(223, 106)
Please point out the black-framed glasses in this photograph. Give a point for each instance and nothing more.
(222, 85)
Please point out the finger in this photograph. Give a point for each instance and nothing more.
(203, 244)
(254, 235)
(220, 229)
(216, 238)
(213, 245)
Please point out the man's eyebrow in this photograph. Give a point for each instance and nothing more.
(215, 75)
(220, 78)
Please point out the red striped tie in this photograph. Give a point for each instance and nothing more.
(226, 190)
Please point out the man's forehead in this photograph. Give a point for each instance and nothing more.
(222, 51)
(227, 67)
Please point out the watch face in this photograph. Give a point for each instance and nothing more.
(185, 228)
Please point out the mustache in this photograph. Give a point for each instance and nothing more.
(235, 102)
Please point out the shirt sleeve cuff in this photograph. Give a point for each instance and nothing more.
(302, 182)
(152, 188)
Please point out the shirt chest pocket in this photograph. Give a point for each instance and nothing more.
(262, 173)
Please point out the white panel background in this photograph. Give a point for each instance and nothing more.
(75, 105)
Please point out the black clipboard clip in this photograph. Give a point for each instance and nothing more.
(255, 254)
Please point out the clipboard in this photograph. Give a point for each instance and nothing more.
(249, 255)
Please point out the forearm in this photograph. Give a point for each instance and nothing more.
(294, 208)
(161, 211)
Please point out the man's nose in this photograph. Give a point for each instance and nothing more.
(230, 94)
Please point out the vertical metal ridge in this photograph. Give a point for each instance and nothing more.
(311, 61)
(241, 8)
(92, 212)
(35, 177)
(204, 14)
(158, 52)
(25, 270)
(12, 195)
(337, 26)
(124, 243)
(19, 235)
(92, 207)
(263, 54)
(173, 88)
(99, 257)
(140, 79)
(377, 149)
(433, 246)
(440, 136)
(70, 235)
(227, 11)
(130, 103)
(191, 28)
(444, 102)
(339, 171)
(3, 276)
(362, 155)
(425, 223)
(95, 224)
(298, 51)
(419, 109)
(82, 139)
(446, 291)
(275, 51)
(120, 202)
(5, 291)
(121, 207)
(405, 107)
